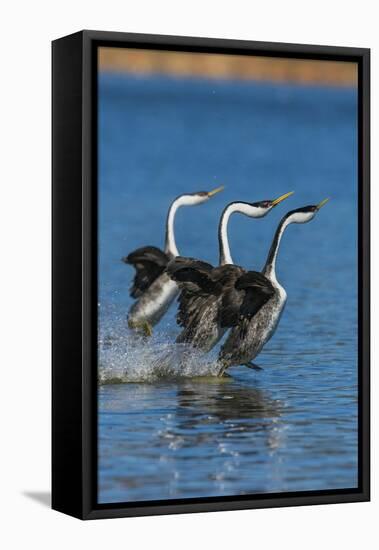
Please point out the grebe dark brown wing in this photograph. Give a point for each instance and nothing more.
(249, 293)
(149, 263)
(194, 280)
(201, 284)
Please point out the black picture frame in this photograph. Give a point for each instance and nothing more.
(74, 271)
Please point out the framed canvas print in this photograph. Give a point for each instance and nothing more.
(210, 274)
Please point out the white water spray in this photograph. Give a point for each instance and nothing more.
(125, 356)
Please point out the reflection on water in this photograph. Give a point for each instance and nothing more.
(170, 430)
(204, 438)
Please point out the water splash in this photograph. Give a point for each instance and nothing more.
(125, 356)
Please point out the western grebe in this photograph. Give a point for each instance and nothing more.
(257, 302)
(152, 287)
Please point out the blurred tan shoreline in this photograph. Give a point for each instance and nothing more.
(333, 73)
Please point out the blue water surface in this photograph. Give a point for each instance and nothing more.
(292, 426)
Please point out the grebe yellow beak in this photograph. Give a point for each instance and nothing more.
(321, 204)
(215, 191)
(282, 198)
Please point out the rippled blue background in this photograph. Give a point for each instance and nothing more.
(292, 426)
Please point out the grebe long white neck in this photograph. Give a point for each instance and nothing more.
(170, 244)
(269, 269)
(250, 210)
(183, 200)
(225, 256)
(300, 216)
